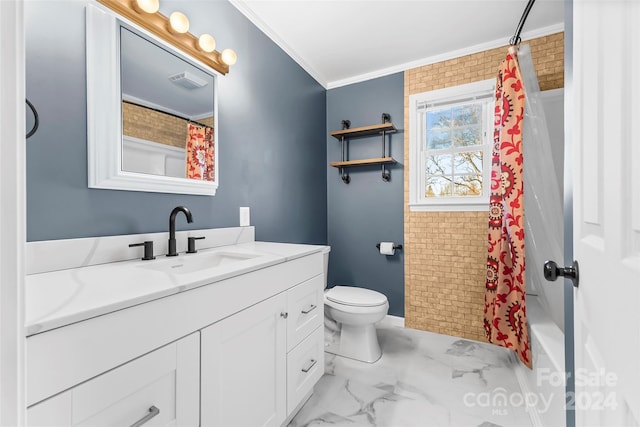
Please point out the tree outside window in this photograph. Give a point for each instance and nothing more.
(452, 169)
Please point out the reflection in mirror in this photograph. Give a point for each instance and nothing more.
(167, 112)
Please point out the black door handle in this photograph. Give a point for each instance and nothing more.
(552, 271)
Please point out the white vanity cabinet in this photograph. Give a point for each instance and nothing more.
(160, 388)
(245, 350)
(260, 364)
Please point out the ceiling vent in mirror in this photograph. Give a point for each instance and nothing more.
(188, 80)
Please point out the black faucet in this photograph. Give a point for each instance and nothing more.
(172, 227)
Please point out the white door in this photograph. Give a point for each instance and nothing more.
(606, 179)
(12, 212)
(243, 367)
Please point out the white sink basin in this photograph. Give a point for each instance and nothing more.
(192, 263)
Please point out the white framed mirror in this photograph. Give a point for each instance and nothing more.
(151, 112)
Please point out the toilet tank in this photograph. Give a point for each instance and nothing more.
(325, 255)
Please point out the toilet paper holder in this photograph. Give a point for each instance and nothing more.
(394, 246)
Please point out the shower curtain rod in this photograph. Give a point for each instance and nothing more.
(168, 114)
(515, 40)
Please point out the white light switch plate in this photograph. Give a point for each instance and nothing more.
(245, 216)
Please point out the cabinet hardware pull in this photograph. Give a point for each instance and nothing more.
(153, 411)
(312, 363)
(284, 315)
(309, 310)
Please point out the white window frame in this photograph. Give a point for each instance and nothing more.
(417, 152)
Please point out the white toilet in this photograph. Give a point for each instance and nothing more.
(355, 311)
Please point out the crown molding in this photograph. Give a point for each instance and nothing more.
(541, 32)
(254, 18)
(262, 26)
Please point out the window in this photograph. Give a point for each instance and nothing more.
(451, 138)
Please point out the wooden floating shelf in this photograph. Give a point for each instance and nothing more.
(364, 162)
(345, 135)
(364, 131)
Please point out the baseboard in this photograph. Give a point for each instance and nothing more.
(390, 320)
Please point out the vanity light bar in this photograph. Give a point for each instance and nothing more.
(159, 25)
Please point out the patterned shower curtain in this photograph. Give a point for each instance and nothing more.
(200, 153)
(505, 314)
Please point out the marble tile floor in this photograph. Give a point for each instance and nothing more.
(423, 379)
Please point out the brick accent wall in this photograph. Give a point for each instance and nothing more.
(143, 123)
(445, 252)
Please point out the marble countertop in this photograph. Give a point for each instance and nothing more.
(58, 298)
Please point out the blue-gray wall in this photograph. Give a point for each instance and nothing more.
(272, 127)
(274, 148)
(367, 210)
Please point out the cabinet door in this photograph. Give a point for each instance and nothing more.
(160, 388)
(244, 367)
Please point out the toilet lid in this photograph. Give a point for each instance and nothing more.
(359, 297)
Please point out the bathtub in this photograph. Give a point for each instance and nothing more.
(544, 385)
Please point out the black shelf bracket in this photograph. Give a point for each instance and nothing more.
(386, 175)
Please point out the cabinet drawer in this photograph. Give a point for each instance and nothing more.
(305, 305)
(305, 366)
(166, 379)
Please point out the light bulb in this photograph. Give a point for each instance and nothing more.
(179, 22)
(229, 57)
(148, 6)
(207, 43)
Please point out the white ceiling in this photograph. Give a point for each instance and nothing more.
(341, 42)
